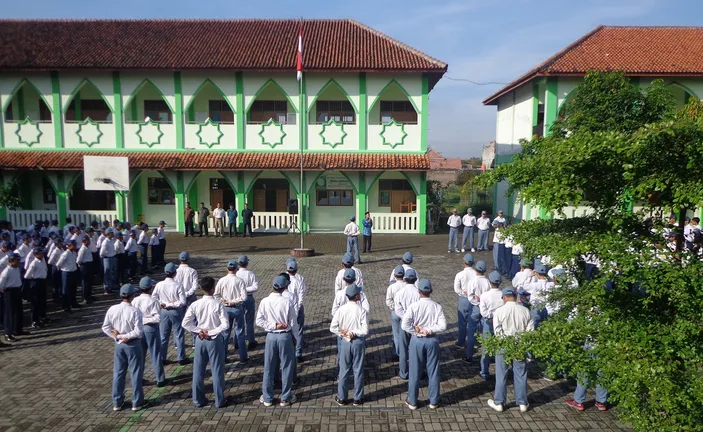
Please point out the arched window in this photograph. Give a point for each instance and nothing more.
(332, 103)
(393, 103)
(209, 102)
(27, 102)
(271, 103)
(88, 102)
(148, 102)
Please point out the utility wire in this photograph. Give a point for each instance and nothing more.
(475, 82)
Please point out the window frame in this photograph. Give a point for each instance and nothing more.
(164, 109)
(160, 189)
(343, 113)
(340, 194)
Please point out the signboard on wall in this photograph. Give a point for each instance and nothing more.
(333, 182)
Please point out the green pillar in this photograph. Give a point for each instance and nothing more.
(56, 116)
(425, 114)
(3, 209)
(528, 211)
(241, 199)
(178, 88)
(120, 205)
(61, 198)
(181, 198)
(550, 106)
(241, 123)
(361, 197)
(117, 117)
(136, 194)
(422, 205)
(363, 111)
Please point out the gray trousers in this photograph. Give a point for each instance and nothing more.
(424, 356)
(351, 359)
(212, 351)
(353, 247)
(151, 341)
(468, 233)
(128, 356)
(483, 239)
(279, 352)
(519, 377)
(582, 388)
(453, 238)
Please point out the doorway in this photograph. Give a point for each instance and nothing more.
(271, 195)
(221, 192)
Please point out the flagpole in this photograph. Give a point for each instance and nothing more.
(303, 123)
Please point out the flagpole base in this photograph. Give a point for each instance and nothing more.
(302, 252)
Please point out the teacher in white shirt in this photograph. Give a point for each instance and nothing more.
(352, 232)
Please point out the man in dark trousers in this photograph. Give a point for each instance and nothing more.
(248, 215)
(189, 217)
(203, 215)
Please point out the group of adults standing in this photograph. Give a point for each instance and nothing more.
(222, 220)
(471, 224)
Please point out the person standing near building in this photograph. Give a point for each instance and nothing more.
(352, 232)
(11, 288)
(524, 276)
(475, 286)
(172, 299)
(143, 244)
(247, 215)
(108, 255)
(131, 250)
(206, 319)
(36, 275)
(399, 284)
(298, 289)
(232, 220)
(231, 291)
(203, 215)
(123, 324)
(367, 232)
(161, 234)
(407, 259)
(538, 291)
(348, 263)
(499, 248)
(121, 257)
(511, 319)
(155, 247)
(484, 226)
(84, 261)
(423, 320)
(251, 283)
(464, 307)
(453, 222)
(402, 300)
(189, 218)
(188, 277)
(350, 324)
(276, 315)
(151, 317)
(469, 222)
(489, 301)
(219, 214)
(68, 267)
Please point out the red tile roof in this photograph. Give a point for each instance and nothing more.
(638, 51)
(441, 163)
(197, 161)
(256, 45)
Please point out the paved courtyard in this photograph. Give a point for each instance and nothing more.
(59, 378)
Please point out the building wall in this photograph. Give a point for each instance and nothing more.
(155, 213)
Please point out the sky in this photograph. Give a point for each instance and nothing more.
(484, 41)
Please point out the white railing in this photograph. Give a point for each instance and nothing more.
(273, 221)
(395, 223)
(87, 216)
(21, 219)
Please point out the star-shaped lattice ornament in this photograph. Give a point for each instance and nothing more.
(28, 132)
(89, 132)
(272, 133)
(393, 134)
(332, 133)
(209, 133)
(149, 133)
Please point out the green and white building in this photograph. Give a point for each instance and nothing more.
(211, 111)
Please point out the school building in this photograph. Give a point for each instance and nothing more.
(212, 111)
(529, 105)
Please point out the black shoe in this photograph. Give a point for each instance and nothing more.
(299, 359)
(10, 339)
(243, 362)
(161, 383)
(296, 381)
(339, 402)
(168, 362)
(252, 345)
(185, 362)
(76, 305)
(468, 360)
(358, 402)
(36, 325)
(23, 333)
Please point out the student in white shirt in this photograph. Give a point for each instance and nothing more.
(348, 263)
(407, 260)
(151, 316)
(276, 315)
(402, 301)
(524, 276)
(423, 320)
(11, 288)
(154, 246)
(474, 288)
(469, 222)
(120, 256)
(219, 215)
(36, 274)
(55, 272)
(84, 261)
(454, 222)
(464, 307)
(399, 284)
(108, 256)
(123, 324)
(489, 302)
(511, 319)
(340, 298)
(538, 291)
(188, 277)
(499, 248)
(515, 253)
(484, 225)
(172, 299)
(298, 288)
(131, 250)
(143, 245)
(252, 285)
(352, 232)
(206, 318)
(161, 236)
(350, 324)
(68, 268)
(499, 219)
(232, 293)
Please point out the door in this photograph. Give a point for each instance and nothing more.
(282, 200)
(215, 197)
(270, 200)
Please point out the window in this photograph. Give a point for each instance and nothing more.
(264, 110)
(48, 192)
(8, 113)
(44, 112)
(396, 194)
(157, 110)
(340, 111)
(96, 109)
(335, 197)
(400, 111)
(160, 192)
(220, 111)
(538, 129)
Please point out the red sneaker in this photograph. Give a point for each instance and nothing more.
(601, 406)
(577, 406)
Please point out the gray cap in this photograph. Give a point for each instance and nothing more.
(481, 266)
(541, 269)
(280, 282)
(126, 290)
(399, 271)
(500, 211)
(5, 244)
(349, 275)
(184, 256)
(291, 264)
(425, 286)
(558, 272)
(71, 242)
(408, 257)
(454, 210)
(484, 212)
(232, 265)
(38, 249)
(410, 274)
(243, 260)
(352, 290)
(469, 259)
(109, 231)
(494, 277)
(13, 255)
(353, 218)
(170, 268)
(469, 210)
(348, 259)
(510, 291)
(146, 282)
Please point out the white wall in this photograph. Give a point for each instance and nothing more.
(155, 213)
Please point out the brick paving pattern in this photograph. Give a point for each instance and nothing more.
(60, 378)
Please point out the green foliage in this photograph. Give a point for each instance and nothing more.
(8, 195)
(641, 315)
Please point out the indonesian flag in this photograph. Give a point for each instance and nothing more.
(299, 65)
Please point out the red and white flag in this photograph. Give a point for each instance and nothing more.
(299, 65)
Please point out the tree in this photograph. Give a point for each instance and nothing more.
(640, 315)
(8, 195)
